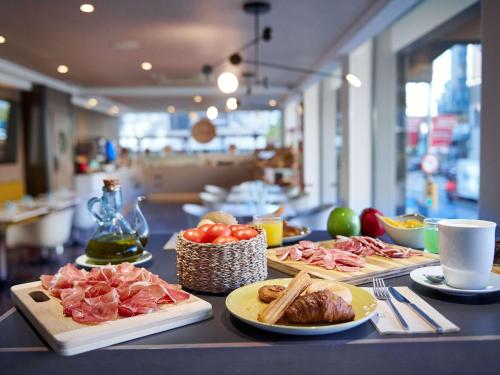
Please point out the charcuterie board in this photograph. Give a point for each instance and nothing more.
(376, 266)
(67, 337)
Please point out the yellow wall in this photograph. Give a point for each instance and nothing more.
(12, 190)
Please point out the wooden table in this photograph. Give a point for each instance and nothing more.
(224, 345)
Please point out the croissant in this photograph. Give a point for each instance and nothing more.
(319, 307)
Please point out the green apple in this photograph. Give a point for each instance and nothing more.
(343, 221)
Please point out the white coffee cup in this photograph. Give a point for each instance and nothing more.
(466, 249)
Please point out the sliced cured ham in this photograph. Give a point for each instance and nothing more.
(105, 293)
(347, 255)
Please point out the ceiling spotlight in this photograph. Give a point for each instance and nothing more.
(235, 59)
(2, 39)
(227, 83)
(231, 104)
(171, 109)
(92, 102)
(272, 103)
(87, 8)
(63, 69)
(197, 99)
(267, 34)
(207, 70)
(353, 80)
(146, 66)
(114, 110)
(212, 112)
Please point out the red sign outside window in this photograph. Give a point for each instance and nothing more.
(442, 130)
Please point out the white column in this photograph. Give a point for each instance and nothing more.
(291, 123)
(489, 193)
(384, 125)
(328, 150)
(357, 130)
(311, 143)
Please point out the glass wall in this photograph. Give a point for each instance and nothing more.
(247, 130)
(442, 85)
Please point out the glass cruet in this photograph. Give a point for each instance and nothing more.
(114, 240)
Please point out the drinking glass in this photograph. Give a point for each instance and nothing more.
(273, 226)
(431, 235)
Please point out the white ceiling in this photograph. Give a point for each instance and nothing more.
(177, 37)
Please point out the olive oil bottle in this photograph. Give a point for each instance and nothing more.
(115, 240)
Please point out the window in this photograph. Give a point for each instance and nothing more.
(247, 130)
(442, 85)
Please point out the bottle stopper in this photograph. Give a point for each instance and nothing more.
(111, 184)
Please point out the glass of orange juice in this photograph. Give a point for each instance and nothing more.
(273, 226)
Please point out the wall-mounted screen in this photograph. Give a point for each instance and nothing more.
(8, 139)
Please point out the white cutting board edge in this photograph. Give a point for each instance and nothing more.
(91, 337)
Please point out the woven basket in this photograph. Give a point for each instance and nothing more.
(205, 267)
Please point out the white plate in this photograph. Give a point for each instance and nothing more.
(83, 261)
(298, 237)
(244, 304)
(418, 276)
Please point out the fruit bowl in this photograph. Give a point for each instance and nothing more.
(409, 237)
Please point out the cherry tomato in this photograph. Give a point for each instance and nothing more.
(245, 234)
(236, 227)
(205, 227)
(225, 239)
(194, 235)
(215, 231)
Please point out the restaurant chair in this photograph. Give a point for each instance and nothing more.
(216, 190)
(193, 213)
(48, 232)
(210, 200)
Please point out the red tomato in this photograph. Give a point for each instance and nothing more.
(225, 239)
(205, 227)
(245, 234)
(215, 231)
(236, 227)
(194, 235)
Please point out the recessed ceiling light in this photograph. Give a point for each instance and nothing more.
(193, 116)
(170, 109)
(87, 8)
(63, 69)
(231, 104)
(114, 110)
(146, 66)
(212, 112)
(92, 102)
(2, 39)
(272, 103)
(197, 99)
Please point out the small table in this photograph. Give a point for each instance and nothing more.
(14, 218)
(38, 208)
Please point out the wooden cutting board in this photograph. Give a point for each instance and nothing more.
(376, 266)
(67, 337)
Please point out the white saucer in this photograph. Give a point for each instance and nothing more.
(418, 276)
(83, 261)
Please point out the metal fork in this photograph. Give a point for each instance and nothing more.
(382, 293)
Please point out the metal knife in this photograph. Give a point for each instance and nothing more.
(400, 298)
